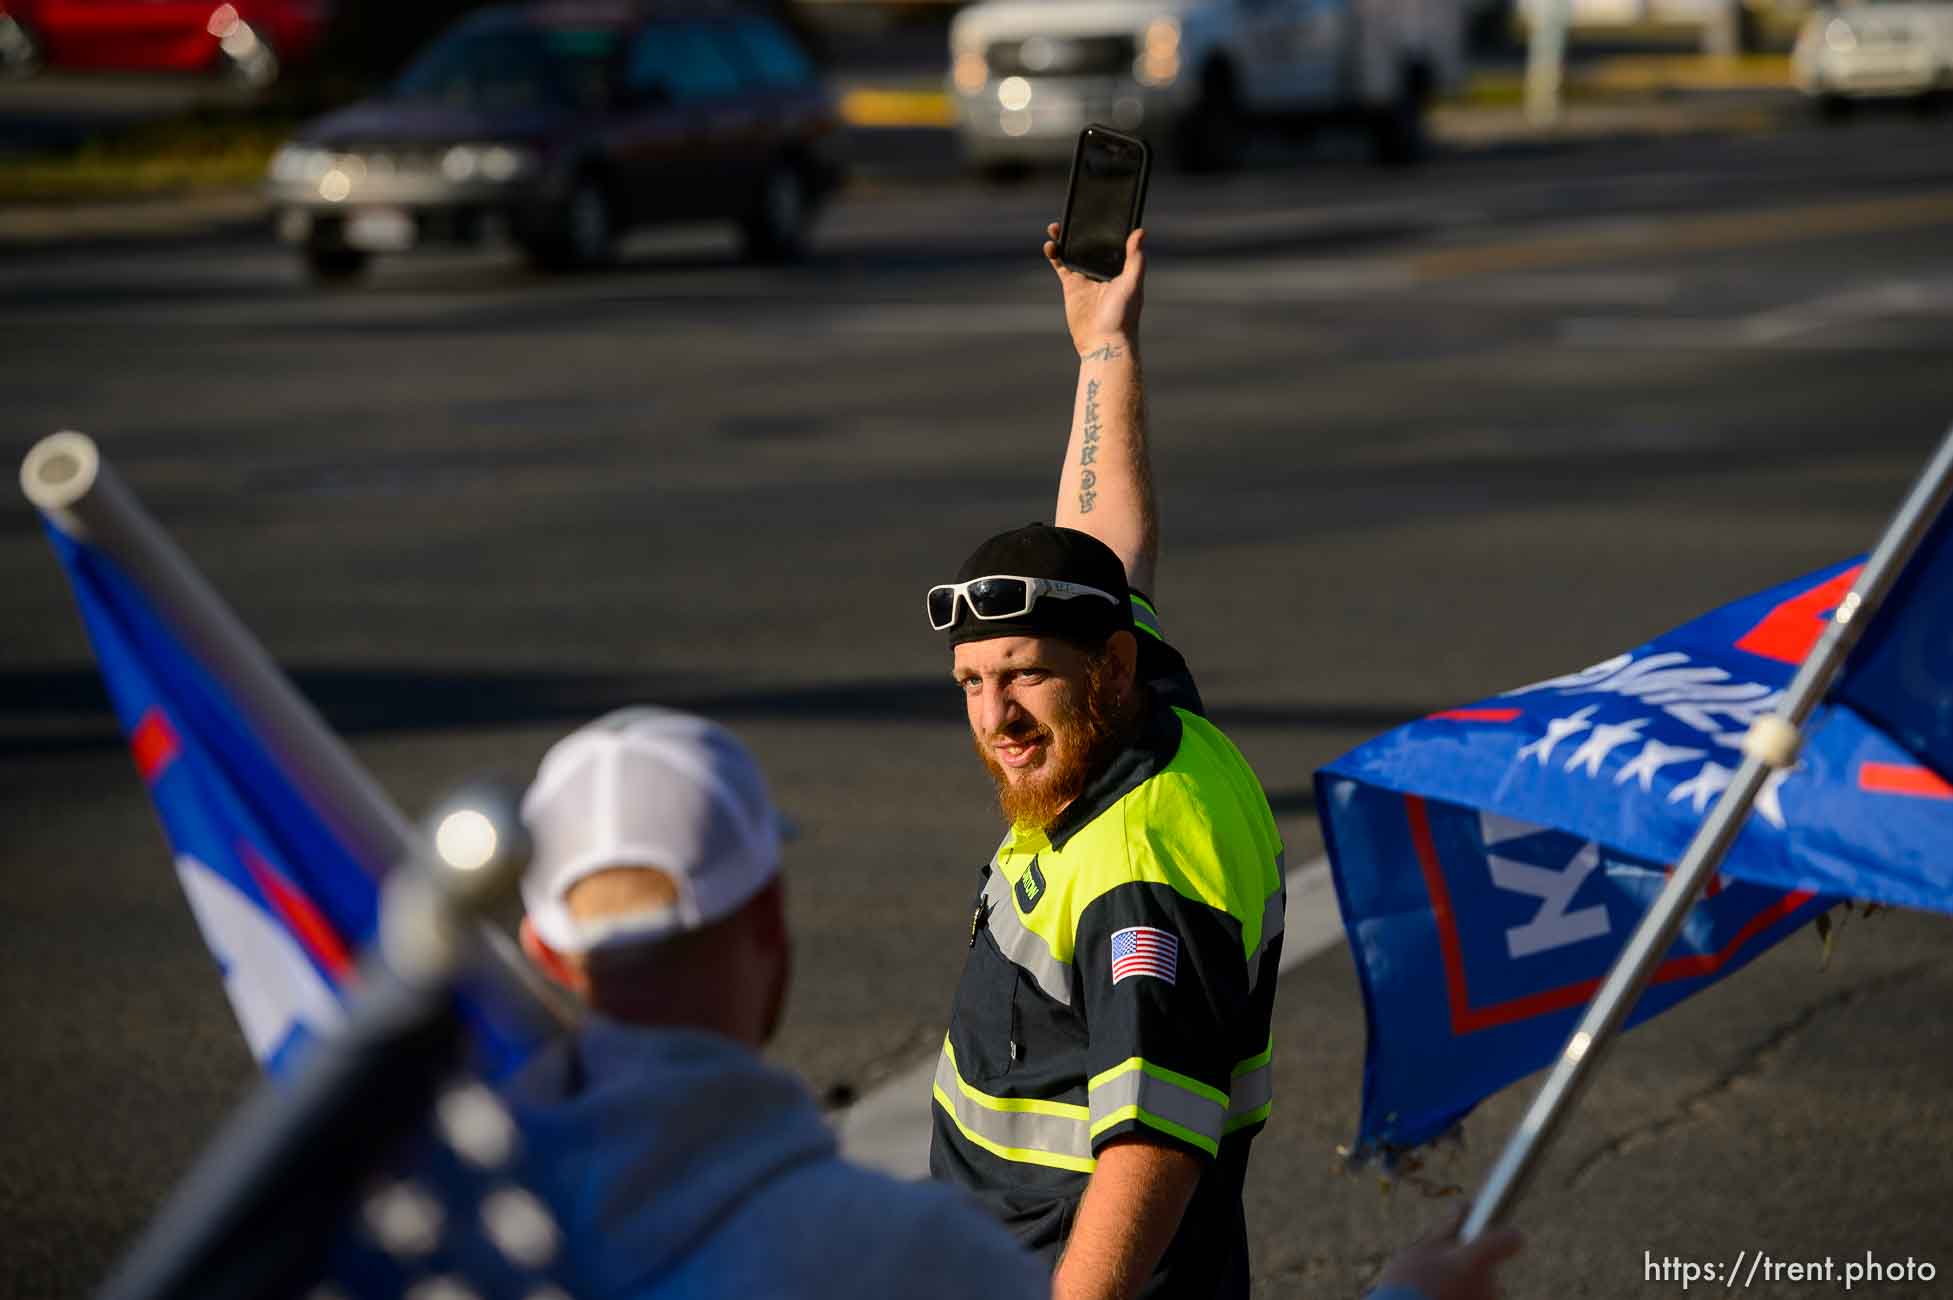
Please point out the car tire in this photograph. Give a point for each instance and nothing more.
(335, 263)
(780, 224)
(583, 233)
(1210, 137)
(20, 49)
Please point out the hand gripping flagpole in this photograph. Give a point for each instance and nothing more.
(65, 477)
(1771, 745)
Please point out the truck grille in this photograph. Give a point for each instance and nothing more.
(1883, 34)
(1063, 56)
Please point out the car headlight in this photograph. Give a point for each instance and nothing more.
(507, 162)
(970, 71)
(459, 163)
(298, 164)
(1159, 53)
(1839, 36)
(495, 163)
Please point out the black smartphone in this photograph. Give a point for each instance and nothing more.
(1103, 202)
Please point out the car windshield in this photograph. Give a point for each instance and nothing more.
(513, 67)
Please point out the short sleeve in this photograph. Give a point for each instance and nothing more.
(1161, 667)
(1163, 979)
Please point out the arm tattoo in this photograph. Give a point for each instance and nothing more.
(1089, 453)
(1105, 352)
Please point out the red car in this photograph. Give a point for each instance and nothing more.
(247, 39)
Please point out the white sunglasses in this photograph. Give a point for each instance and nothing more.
(1001, 595)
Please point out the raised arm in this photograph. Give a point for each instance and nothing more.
(1106, 486)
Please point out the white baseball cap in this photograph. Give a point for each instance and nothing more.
(647, 787)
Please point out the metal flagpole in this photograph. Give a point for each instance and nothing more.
(252, 1217)
(65, 477)
(1772, 744)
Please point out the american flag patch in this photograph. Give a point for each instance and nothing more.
(1145, 950)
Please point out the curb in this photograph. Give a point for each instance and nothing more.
(30, 227)
(1628, 75)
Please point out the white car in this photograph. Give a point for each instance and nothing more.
(1025, 75)
(1881, 49)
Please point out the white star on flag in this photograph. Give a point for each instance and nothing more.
(1557, 729)
(1653, 757)
(1705, 785)
(1604, 741)
(1768, 801)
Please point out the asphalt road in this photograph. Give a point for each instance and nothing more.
(1420, 437)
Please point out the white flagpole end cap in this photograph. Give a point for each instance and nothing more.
(59, 471)
(1773, 740)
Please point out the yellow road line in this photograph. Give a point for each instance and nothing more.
(1703, 234)
(897, 108)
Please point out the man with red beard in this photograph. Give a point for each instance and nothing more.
(1108, 1056)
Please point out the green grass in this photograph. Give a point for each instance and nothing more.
(1629, 78)
(189, 154)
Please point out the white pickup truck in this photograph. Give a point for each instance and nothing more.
(1874, 49)
(1190, 75)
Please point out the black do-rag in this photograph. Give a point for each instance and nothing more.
(1061, 554)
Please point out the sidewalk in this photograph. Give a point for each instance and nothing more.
(1593, 122)
(1606, 99)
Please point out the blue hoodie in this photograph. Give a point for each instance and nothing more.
(684, 1166)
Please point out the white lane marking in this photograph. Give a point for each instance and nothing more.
(1876, 302)
(1312, 921)
(1307, 280)
(889, 1128)
(1895, 303)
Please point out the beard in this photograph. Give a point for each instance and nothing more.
(1082, 735)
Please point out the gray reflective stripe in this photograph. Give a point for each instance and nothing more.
(1028, 952)
(1007, 1125)
(1250, 1092)
(1272, 914)
(1136, 1087)
(1146, 618)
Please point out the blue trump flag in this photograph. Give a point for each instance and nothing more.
(281, 902)
(1901, 675)
(1492, 860)
(353, 1163)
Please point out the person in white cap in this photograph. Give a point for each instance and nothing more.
(682, 1164)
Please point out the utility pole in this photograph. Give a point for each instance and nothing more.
(1546, 61)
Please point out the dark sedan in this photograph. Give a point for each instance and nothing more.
(562, 126)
